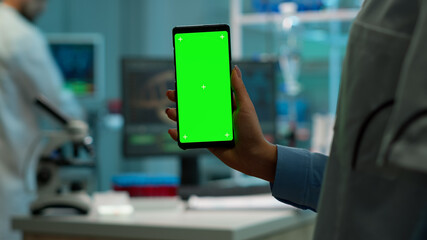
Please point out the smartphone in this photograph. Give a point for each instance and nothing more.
(203, 87)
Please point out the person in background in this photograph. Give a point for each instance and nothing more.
(27, 70)
(374, 183)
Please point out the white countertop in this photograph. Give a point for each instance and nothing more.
(171, 224)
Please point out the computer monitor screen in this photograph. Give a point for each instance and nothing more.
(260, 81)
(144, 84)
(79, 58)
(76, 63)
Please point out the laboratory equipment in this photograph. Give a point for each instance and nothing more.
(81, 60)
(77, 201)
(51, 194)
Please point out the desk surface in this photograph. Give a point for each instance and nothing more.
(175, 224)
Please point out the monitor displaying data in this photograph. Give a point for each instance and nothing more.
(144, 84)
(260, 81)
(79, 58)
(77, 66)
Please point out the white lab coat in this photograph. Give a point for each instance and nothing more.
(26, 70)
(375, 184)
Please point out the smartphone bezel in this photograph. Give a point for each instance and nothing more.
(194, 29)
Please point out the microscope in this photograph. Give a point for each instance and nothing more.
(53, 195)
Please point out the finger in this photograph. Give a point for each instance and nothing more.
(234, 102)
(171, 94)
(173, 133)
(238, 86)
(171, 112)
(239, 73)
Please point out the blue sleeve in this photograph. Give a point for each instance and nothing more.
(299, 175)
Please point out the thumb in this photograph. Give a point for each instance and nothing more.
(242, 96)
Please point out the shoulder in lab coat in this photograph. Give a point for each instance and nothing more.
(26, 70)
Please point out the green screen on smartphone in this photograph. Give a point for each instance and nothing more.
(202, 63)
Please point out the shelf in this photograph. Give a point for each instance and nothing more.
(238, 20)
(303, 17)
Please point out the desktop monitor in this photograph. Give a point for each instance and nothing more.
(80, 58)
(260, 81)
(145, 132)
(144, 83)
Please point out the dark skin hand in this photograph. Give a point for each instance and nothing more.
(252, 154)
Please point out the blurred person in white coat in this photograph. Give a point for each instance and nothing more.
(27, 70)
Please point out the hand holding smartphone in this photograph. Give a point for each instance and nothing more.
(204, 96)
(252, 153)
